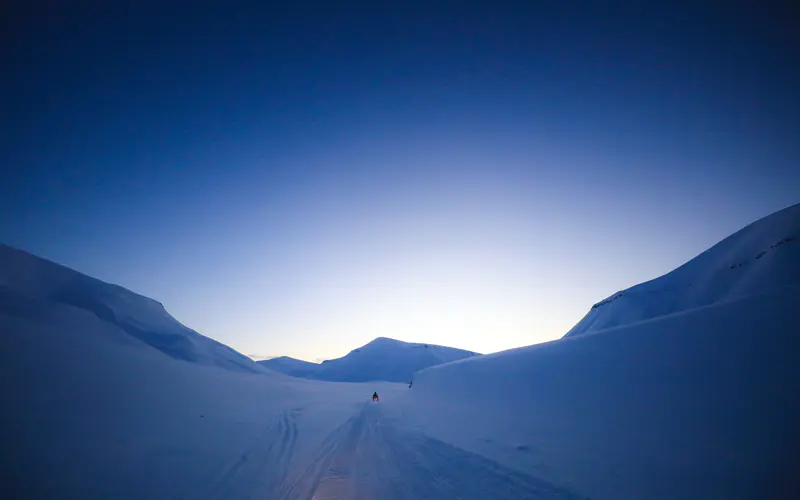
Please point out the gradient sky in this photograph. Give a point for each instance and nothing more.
(297, 181)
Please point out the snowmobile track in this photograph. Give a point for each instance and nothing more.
(369, 457)
(261, 469)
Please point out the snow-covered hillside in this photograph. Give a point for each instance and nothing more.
(90, 412)
(386, 359)
(93, 409)
(28, 282)
(763, 256)
(290, 366)
(382, 359)
(701, 403)
(107, 396)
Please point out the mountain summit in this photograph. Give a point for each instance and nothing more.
(381, 359)
(290, 366)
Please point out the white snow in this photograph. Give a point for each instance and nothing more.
(90, 410)
(290, 366)
(696, 405)
(687, 386)
(763, 256)
(382, 359)
(27, 278)
(690, 393)
(92, 414)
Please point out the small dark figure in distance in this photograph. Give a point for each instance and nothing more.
(375, 396)
(410, 384)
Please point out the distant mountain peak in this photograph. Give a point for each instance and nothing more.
(383, 340)
(382, 358)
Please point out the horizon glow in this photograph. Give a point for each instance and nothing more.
(299, 183)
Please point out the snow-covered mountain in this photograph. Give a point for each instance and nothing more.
(107, 396)
(763, 256)
(93, 409)
(35, 285)
(688, 386)
(383, 359)
(290, 366)
(387, 359)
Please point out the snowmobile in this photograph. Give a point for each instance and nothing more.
(375, 396)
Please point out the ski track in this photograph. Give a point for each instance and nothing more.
(369, 457)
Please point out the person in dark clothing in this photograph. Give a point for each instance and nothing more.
(375, 396)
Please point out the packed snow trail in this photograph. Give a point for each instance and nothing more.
(371, 456)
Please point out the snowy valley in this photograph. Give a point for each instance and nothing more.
(686, 386)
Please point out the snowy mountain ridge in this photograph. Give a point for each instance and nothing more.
(116, 399)
(688, 388)
(289, 366)
(764, 255)
(28, 281)
(382, 359)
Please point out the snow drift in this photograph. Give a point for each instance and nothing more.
(696, 395)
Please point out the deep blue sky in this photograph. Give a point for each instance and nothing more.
(301, 180)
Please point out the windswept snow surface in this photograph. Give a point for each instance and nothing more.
(763, 256)
(382, 359)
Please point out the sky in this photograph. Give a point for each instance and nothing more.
(298, 180)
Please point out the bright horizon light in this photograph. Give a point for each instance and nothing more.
(299, 181)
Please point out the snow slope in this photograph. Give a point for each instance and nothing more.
(290, 366)
(763, 256)
(91, 410)
(695, 396)
(696, 404)
(26, 279)
(383, 359)
(386, 359)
